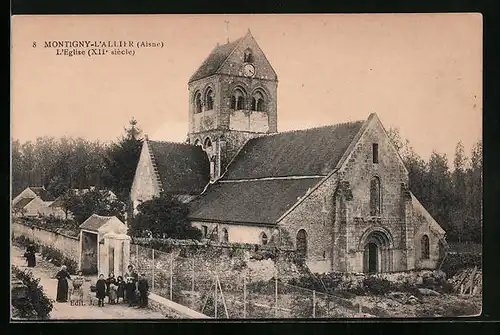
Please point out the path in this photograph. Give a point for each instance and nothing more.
(46, 271)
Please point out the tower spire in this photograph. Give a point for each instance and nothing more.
(227, 31)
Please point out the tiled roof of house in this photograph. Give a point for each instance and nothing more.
(94, 222)
(309, 152)
(214, 60)
(22, 202)
(59, 201)
(262, 201)
(42, 193)
(182, 168)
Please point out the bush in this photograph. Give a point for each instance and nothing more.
(453, 263)
(58, 258)
(37, 305)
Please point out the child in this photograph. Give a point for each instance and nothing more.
(100, 290)
(121, 289)
(111, 280)
(113, 294)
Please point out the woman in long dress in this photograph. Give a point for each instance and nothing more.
(62, 284)
(30, 255)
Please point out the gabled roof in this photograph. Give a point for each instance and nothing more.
(59, 201)
(182, 168)
(420, 210)
(95, 222)
(213, 62)
(22, 203)
(42, 193)
(258, 201)
(309, 152)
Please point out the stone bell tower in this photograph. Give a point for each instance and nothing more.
(232, 98)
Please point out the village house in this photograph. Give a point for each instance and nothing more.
(336, 194)
(31, 201)
(58, 207)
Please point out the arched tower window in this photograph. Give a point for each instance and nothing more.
(209, 100)
(258, 102)
(301, 243)
(238, 100)
(425, 247)
(247, 56)
(375, 196)
(207, 144)
(197, 103)
(225, 235)
(263, 238)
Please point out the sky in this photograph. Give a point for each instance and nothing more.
(421, 73)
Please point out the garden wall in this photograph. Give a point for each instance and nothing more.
(68, 245)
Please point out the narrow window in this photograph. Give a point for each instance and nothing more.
(197, 103)
(209, 100)
(204, 230)
(375, 153)
(375, 196)
(301, 243)
(263, 238)
(225, 235)
(425, 247)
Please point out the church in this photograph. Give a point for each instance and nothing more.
(337, 194)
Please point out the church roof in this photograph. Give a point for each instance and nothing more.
(42, 193)
(309, 152)
(271, 173)
(182, 168)
(258, 201)
(213, 62)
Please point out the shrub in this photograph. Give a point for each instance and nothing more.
(37, 305)
(453, 263)
(58, 258)
(377, 286)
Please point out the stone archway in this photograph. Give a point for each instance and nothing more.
(377, 246)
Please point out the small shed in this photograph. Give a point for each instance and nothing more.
(96, 253)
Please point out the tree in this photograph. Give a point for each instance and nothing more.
(164, 215)
(458, 213)
(95, 201)
(121, 162)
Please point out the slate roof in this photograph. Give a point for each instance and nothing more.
(182, 168)
(94, 222)
(42, 193)
(22, 202)
(262, 201)
(214, 60)
(308, 152)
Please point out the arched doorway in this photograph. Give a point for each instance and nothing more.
(377, 251)
(371, 252)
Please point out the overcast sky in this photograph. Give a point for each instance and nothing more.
(421, 73)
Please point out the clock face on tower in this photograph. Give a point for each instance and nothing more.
(248, 70)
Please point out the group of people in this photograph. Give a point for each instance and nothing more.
(133, 289)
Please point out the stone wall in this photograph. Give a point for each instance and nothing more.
(359, 169)
(237, 233)
(315, 215)
(68, 245)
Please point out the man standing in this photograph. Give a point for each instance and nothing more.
(131, 279)
(143, 288)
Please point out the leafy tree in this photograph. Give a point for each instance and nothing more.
(121, 161)
(95, 201)
(164, 216)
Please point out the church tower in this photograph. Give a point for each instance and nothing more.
(232, 98)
